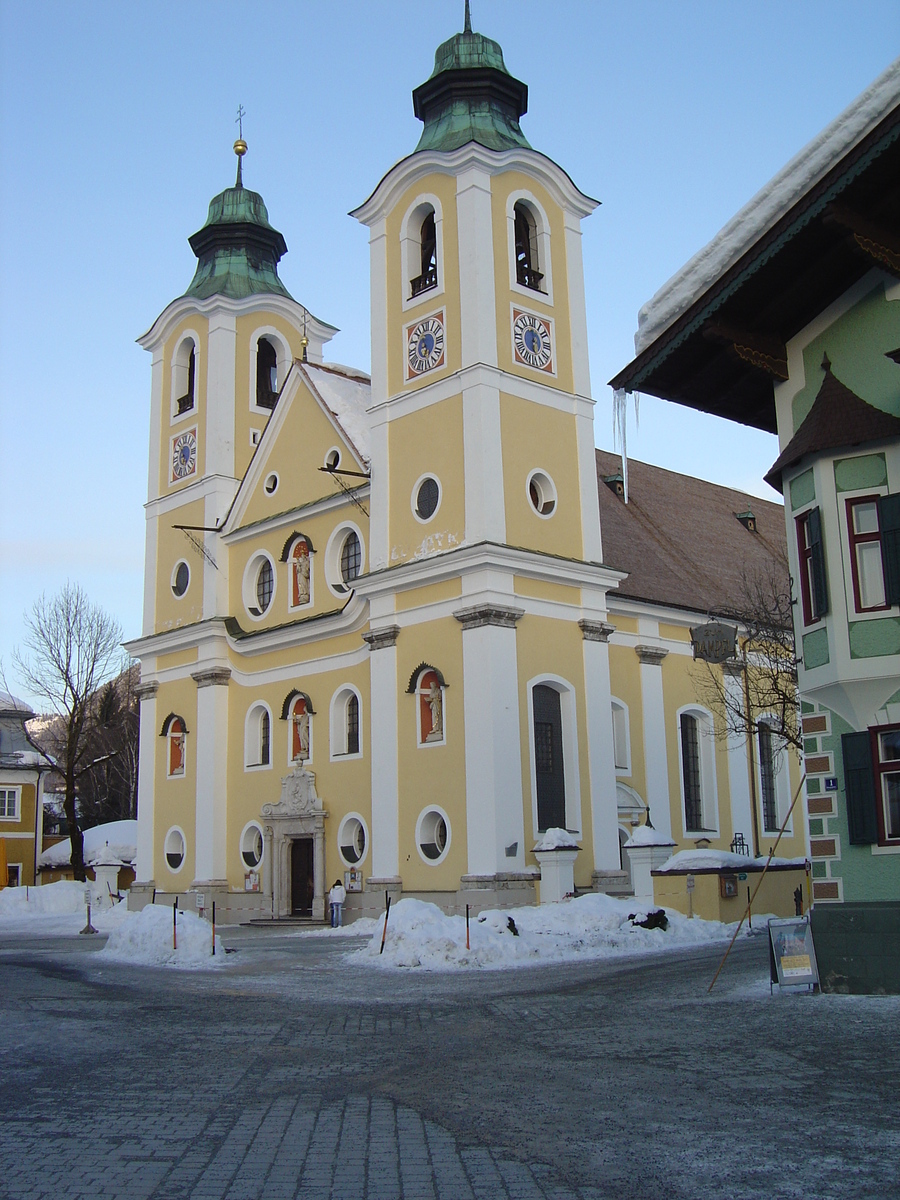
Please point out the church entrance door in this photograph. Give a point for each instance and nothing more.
(548, 758)
(302, 877)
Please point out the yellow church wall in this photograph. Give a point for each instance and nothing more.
(540, 589)
(625, 685)
(536, 437)
(447, 298)
(175, 798)
(432, 593)
(177, 658)
(674, 633)
(433, 774)
(503, 187)
(196, 417)
(430, 442)
(622, 623)
(173, 546)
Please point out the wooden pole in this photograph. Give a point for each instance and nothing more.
(387, 913)
(175, 924)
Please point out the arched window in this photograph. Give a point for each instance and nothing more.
(621, 739)
(698, 772)
(528, 272)
(345, 735)
(351, 558)
(549, 768)
(299, 714)
(174, 731)
(258, 737)
(183, 376)
(774, 779)
(427, 278)
(266, 374)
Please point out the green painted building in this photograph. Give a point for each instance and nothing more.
(789, 321)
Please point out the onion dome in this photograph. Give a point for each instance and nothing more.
(470, 96)
(237, 248)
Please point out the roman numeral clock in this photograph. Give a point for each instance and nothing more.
(425, 345)
(532, 341)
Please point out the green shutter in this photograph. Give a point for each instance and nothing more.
(859, 784)
(889, 523)
(817, 562)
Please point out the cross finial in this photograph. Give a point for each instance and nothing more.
(467, 28)
(240, 146)
(239, 120)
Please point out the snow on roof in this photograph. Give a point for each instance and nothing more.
(769, 204)
(346, 391)
(115, 841)
(557, 839)
(719, 860)
(11, 703)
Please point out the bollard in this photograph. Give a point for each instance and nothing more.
(749, 902)
(175, 925)
(387, 913)
(214, 926)
(467, 927)
(89, 928)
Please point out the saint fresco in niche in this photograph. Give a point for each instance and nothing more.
(300, 573)
(431, 707)
(299, 730)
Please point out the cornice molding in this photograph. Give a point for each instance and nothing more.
(382, 639)
(650, 656)
(147, 691)
(489, 614)
(596, 631)
(211, 677)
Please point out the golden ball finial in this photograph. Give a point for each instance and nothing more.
(240, 147)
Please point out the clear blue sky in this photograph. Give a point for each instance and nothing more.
(117, 131)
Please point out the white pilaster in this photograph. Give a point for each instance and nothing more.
(146, 782)
(483, 453)
(601, 752)
(587, 479)
(738, 765)
(378, 305)
(654, 719)
(220, 393)
(494, 813)
(478, 313)
(211, 740)
(379, 495)
(581, 371)
(383, 740)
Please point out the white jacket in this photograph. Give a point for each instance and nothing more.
(338, 894)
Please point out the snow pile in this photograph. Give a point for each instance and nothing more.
(723, 860)
(119, 836)
(646, 835)
(589, 927)
(145, 937)
(557, 839)
(51, 900)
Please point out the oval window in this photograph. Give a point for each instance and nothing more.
(252, 847)
(264, 581)
(174, 849)
(351, 558)
(433, 835)
(271, 484)
(427, 499)
(541, 493)
(181, 579)
(352, 840)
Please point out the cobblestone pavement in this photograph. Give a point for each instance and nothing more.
(296, 1072)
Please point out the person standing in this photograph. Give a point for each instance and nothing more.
(336, 898)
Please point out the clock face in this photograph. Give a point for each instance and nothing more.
(425, 346)
(532, 341)
(184, 454)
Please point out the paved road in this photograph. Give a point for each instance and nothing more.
(298, 1073)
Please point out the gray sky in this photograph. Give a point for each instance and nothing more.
(118, 125)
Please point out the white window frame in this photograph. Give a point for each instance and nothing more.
(623, 733)
(13, 874)
(542, 237)
(174, 870)
(571, 771)
(17, 802)
(174, 576)
(781, 752)
(178, 377)
(338, 723)
(709, 792)
(411, 249)
(257, 828)
(333, 549)
(248, 586)
(283, 360)
(853, 613)
(413, 500)
(253, 737)
(353, 816)
(424, 815)
(543, 481)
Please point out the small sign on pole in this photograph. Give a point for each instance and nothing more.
(714, 642)
(792, 955)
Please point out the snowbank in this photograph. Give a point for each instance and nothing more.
(589, 927)
(54, 909)
(120, 836)
(723, 860)
(145, 938)
(557, 839)
(646, 835)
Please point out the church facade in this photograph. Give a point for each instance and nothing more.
(376, 639)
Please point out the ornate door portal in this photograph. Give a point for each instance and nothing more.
(295, 848)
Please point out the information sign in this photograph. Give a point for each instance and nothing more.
(690, 883)
(714, 642)
(792, 956)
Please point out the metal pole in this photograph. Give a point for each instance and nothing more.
(175, 924)
(214, 926)
(387, 913)
(467, 927)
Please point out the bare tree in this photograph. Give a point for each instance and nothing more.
(71, 648)
(107, 790)
(764, 615)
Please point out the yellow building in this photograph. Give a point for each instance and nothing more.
(22, 770)
(377, 612)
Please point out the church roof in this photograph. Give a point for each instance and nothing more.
(838, 417)
(680, 539)
(470, 96)
(237, 249)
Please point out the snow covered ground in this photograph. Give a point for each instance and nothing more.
(56, 909)
(589, 927)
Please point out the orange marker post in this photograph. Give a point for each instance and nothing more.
(387, 913)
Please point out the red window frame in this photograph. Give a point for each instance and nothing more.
(857, 539)
(805, 553)
(880, 768)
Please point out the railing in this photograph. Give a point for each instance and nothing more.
(423, 282)
(266, 399)
(528, 277)
(185, 404)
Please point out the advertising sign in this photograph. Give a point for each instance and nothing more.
(792, 956)
(714, 642)
(353, 880)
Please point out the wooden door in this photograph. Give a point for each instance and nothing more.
(548, 758)
(302, 877)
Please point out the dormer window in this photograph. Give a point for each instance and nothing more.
(266, 374)
(427, 278)
(184, 377)
(526, 239)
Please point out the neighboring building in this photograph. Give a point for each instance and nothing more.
(790, 321)
(377, 615)
(22, 769)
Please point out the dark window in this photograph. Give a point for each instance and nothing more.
(266, 374)
(186, 402)
(889, 522)
(351, 558)
(859, 785)
(264, 582)
(887, 773)
(690, 771)
(866, 564)
(353, 725)
(548, 764)
(813, 584)
(767, 774)
(264, 732)
(527, 273)
(182, 579)
(428, 277)
(427, 498)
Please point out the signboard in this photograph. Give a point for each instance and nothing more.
(353, 880)
(690, 883)
(792, 956)
(831, 783)
(714, 642)
(200, 900)
(251, 881)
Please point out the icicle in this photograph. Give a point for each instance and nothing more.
(620, 432)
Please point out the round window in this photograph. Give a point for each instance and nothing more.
(351, 558)
(541, 493)
(333, 460)
(252, 847)
(181, 579)
(271, 484)
(352, 840)
(433, 835)
(427, 498)
(174, 849)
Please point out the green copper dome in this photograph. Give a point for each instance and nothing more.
(470, 97)
(237, 248)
